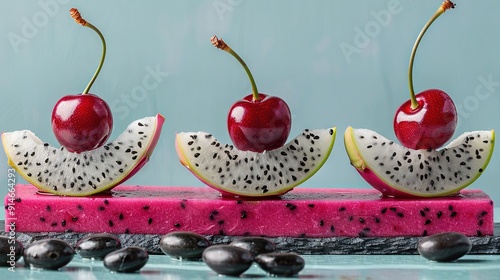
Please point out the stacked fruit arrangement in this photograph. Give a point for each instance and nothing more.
(259, 164)
(422, 125)
(82, 123)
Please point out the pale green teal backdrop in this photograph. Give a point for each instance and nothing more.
(336, 63)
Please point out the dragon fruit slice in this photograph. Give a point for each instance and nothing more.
(58, 171)
(402, 172)
(252, 174)
(302, 212)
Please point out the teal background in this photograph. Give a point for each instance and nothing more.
(336, 63)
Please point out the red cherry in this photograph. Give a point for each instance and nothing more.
(258, 125)
(428, 126)
(82, 122)
(257, 122)
(429, 119)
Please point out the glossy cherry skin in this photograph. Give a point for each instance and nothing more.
(259, 125)
(82, 122)
(430, 125)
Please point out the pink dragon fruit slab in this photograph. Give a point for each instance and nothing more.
(303, 212)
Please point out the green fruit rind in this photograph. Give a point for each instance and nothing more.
(120, 159)
(204, 170)
(369, 165)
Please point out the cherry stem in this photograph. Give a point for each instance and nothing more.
(220, 44)
(444, 6)
(78, 19)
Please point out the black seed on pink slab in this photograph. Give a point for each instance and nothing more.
(145, 207)
(341, 209)
(150, 221)
(213, 214)
(42, 219)
(439, 214)
(101, 208)
(177, 225)
(74, 219)
(110, 223)
(106, 202)
(48, 208)
(291, 206)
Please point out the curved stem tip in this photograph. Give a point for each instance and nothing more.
(220, 44)
(447, 4)
(75, 14)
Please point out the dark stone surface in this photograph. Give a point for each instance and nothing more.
(304, 246)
